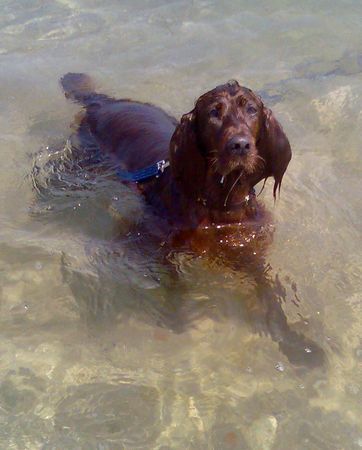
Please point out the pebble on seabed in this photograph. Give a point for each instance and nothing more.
(262, 432)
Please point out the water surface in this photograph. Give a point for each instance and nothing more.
(105, 350)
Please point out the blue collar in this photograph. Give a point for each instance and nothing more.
(143, 174)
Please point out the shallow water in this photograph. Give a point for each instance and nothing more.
(103, 349)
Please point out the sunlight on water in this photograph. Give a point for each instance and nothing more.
(102, 346)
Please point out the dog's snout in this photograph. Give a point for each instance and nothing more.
(238, 145)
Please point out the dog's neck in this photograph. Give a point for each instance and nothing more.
(241, 208)
(215, 203)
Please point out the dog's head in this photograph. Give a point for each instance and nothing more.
(229, 133)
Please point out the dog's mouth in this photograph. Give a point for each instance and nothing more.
(243, 166)
(231, 178)
(235, 175)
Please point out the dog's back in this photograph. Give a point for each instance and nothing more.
(137, 134)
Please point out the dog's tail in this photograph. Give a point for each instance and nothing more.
(79, 87)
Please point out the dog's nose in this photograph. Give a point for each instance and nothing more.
(238, 146)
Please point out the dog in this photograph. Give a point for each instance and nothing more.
(217, 153)
(198, 176)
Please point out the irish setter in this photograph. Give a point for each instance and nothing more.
(217, 153)
(205, 200)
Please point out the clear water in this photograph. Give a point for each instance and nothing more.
(90, 354)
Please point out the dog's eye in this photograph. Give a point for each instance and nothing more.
(215, 112)
(250, 109)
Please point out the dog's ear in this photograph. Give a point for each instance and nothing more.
(274, 147)
(188, 164)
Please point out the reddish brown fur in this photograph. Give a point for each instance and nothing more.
(218, 152)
